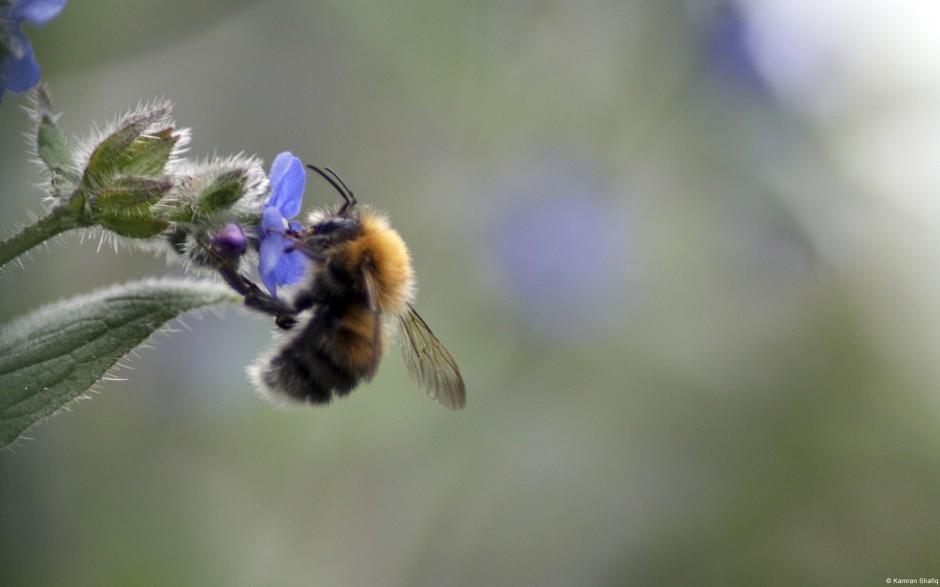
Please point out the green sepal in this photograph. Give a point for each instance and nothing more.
(148, 154)
(135, 222)
(127, 192)
(226, 189)
(125, 207)
(118, 150)
(51, 145)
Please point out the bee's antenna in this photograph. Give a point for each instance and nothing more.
(343, 183)
(338, 184)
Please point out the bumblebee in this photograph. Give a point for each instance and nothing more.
(358, 287)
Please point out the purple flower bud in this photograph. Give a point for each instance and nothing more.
(231, 242)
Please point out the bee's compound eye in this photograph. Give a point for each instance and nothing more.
(334, 226)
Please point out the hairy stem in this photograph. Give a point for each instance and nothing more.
(59, 220)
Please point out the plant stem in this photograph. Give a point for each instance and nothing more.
(59, 220)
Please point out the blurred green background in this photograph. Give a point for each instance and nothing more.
(685, 253)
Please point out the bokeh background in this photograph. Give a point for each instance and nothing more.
(687, 255)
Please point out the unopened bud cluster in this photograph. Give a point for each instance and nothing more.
(131, 181)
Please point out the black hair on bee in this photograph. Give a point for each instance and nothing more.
(359, 284)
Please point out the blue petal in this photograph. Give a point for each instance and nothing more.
(276, 265)
(291, 267)
(279, 166)
(20, 73)
(288, 179)
(269, 253)
(36, 11)
(271, 247)
(271, 222)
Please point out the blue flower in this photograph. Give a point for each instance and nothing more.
(19, 71)
(565, 246)
(278, 264)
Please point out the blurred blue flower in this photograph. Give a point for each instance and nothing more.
(278, 264)
(727, 49)
(565, 247)
(19, 71)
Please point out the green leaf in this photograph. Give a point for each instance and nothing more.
(57, 353)
(52, 148)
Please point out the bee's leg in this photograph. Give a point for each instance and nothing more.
(303, 299)
(256, 298)
(313, 254)
(284, 314)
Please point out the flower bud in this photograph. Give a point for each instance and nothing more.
(130, 192)
(125, 207)
(133, 223)
(226, 189)
(218, 191)
(231, 242)
(142, 144)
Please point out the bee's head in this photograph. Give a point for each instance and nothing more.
(333, 226)
(333, 230)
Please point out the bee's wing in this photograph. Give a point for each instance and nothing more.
(373, 303)
(430, 365)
